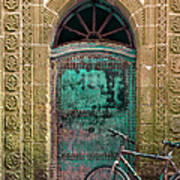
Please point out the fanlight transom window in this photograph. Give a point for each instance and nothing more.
(94, 19)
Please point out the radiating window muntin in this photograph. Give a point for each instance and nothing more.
(92, 20)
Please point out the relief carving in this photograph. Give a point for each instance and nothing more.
(161, 54)
(11, 82)
(11, 122)
(174, 84)
(27, 34)
(27, 126)
(27, 75)
(11, 102)
(12, 141)
(175, 44)
(161, 79)
(12, 176)
(11, 63)
(174, 103)
(175, 5)
(26, 105)
(162, 21)
(11, 5)
(175, 123)
(175, 24)
(11, 42)
(27, 55)
(13, 161)
(175, 64)
(11, 22)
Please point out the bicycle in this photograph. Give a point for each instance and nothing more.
(115, 172)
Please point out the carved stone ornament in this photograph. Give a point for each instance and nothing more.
(175, 64)
(175, 123)
(12, 176)
(11, 82)
(11, 122)
(27, 54)
(175, 44)
(174, 103)
(161, 55)
(11, 22)
(11, 5)
(174, 84)
(13, 161)
(175, 5)
(11, 42)
(26, 105)
(175, 24)
(27, 75)
(12, 141)
(27, 126)
(11, 63)
(11, 102)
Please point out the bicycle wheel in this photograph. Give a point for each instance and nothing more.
(175, 177)
(104, 173)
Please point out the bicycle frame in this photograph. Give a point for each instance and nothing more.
(167, 158)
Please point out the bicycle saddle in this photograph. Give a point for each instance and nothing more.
(171, 144)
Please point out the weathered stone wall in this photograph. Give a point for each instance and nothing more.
(26, 31)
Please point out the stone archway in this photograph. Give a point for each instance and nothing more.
(58, 49)
(26, 32)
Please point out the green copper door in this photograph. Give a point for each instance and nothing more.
(95, 90)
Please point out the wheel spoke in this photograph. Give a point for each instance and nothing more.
(105, 22)
(82, 22)
(114, 31)
(74, 30)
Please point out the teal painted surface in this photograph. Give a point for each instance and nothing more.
(93, 94)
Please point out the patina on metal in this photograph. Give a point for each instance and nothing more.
(94, 88)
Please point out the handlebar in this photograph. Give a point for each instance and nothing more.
(171, 144)
(125, 137)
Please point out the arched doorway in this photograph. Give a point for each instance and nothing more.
(93, 70)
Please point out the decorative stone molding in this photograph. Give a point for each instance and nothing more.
(11, 5)
(12, 161)
(27, 87)
(11, 82)
(175, 123)
(175, 63)
(175, 44)
(11, 102)
(161, 62)
(175, 5)
(174, 84)
(161, 55)
(11, 42)
(175, 24)
(174, 103)
(11, 63)
(11, 23)
(12, 176)
(11, 122)
(11, 141)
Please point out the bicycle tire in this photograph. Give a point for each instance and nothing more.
(103, 173)
(175, 177)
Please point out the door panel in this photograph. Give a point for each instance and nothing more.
(93, 92)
